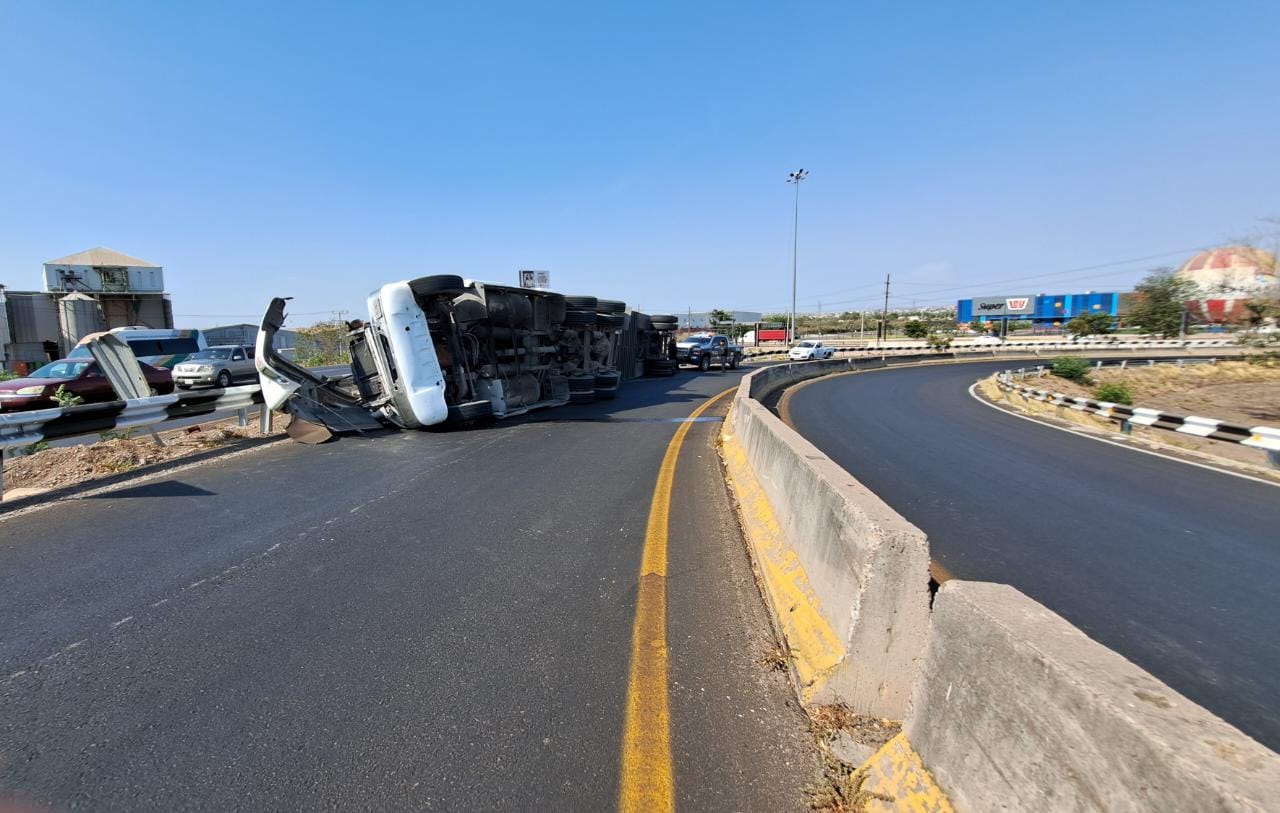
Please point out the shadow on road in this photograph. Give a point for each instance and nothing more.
(165, 488)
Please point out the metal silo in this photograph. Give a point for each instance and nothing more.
(78, 316)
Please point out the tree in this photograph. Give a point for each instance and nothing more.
(939, 341)
(1090, 324)
(322, 343)
(720, 317)
(1258, 310)
(1161, 302)
(915, 329)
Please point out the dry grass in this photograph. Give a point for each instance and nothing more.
(70, 465)
(776, 659)
(841, 789)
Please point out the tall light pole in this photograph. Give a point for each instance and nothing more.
(795, 178)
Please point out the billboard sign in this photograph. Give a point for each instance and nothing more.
(1004, 306)
(541, 280)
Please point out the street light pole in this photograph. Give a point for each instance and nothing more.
(795, 178)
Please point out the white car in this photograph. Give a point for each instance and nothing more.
(987, 341)
(809, 350)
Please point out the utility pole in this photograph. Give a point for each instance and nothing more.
(862, 325)
(688, 321)
(819, 318)
(795, 178)
(884, 318)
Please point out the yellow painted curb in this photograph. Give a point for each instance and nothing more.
(896, 773)
(814, 646)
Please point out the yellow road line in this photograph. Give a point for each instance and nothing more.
(647, 781)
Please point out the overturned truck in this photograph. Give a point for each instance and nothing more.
(442, 349)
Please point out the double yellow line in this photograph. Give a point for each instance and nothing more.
(647, 782)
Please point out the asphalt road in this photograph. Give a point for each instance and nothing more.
(1175, 567)
(415, 620)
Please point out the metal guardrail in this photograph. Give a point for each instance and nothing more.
(1261, 437)
(25, 428)
(1004, 347)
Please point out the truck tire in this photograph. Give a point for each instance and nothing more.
(663, 317)
(582, 303)
(610, 320)
(733, 365)
(585, 397)
(575, 316)
(610, 306)
(705, 364)
(437, 284)
(581, 383)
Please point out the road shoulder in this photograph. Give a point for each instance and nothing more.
(739, 737)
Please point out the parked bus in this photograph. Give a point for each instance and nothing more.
(159, 348)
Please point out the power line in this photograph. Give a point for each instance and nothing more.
(1010, 280)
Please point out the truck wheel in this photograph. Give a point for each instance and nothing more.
(582, 303)
(705, 364)
(610, 306)
(224, 379)
(574, 316)
(733, 365)
(437, 284)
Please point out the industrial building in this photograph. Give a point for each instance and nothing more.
(83, 293)
(702, 321)
(247, 335)
(1043, 310)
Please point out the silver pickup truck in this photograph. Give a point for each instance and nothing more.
(220, 366)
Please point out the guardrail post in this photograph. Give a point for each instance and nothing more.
(1124, 363)
(242, 417)
(1151, 362)
(1098, 366)
(264, 420)
(1040, 371)
(1126, 428)
(1179, 362)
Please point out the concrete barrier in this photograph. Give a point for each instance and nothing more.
(1016, 709)
(847, 577)
(1009, 706)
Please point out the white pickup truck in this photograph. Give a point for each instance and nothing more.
(808, 350)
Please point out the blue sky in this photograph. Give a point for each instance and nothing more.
(637, 151)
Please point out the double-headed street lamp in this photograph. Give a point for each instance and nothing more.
(795, 178)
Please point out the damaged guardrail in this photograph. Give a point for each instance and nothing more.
(1005, 703)
(1094, 346)
(137, 409)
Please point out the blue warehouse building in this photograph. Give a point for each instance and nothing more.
(1045, 310)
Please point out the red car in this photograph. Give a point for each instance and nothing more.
(79, 376)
